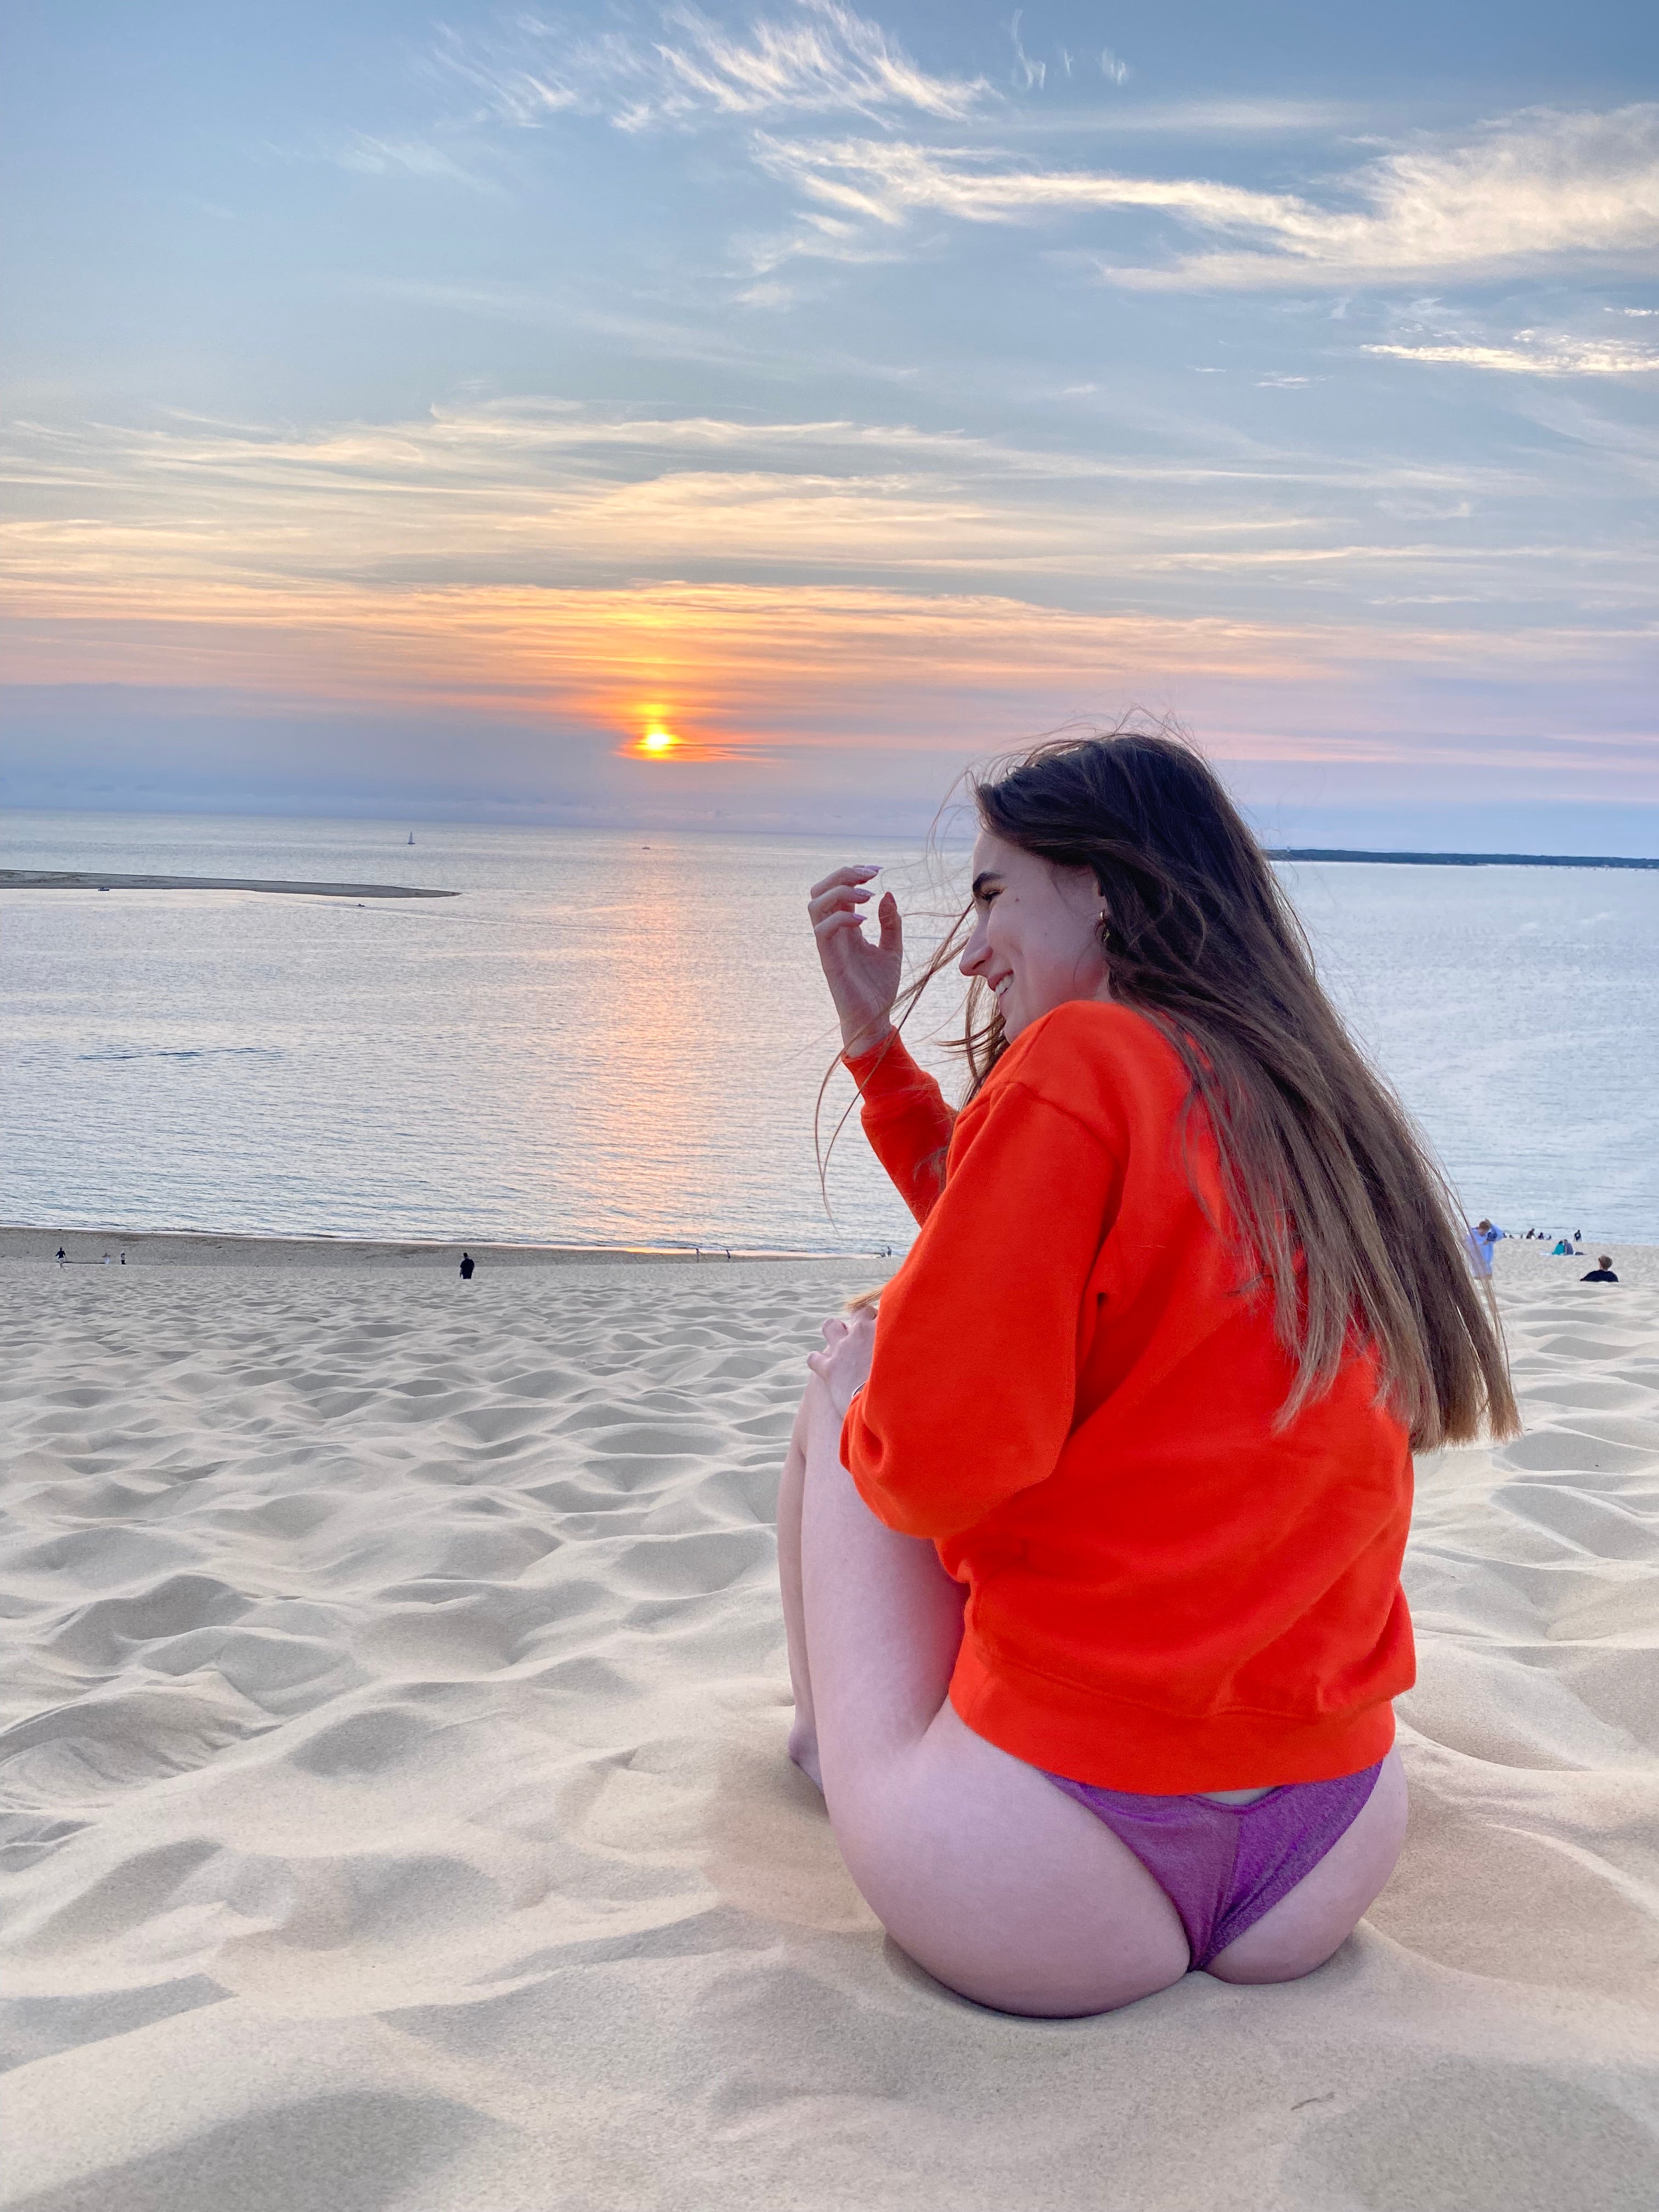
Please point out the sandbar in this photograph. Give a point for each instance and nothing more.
(86, 879)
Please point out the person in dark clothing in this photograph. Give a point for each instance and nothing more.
(468, 1263)
(1601, 1272)
(62, 1254)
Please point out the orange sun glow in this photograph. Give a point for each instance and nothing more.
(658, 741)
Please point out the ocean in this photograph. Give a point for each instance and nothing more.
(617, 1037)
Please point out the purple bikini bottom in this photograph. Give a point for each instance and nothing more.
(1223, 1866)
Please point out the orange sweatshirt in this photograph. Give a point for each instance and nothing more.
(1072, 1398)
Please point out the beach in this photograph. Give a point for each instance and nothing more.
(399, 1816)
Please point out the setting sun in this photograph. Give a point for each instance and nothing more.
(659, 742)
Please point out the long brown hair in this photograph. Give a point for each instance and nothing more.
(1341, 1214)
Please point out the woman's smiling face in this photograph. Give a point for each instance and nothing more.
(1036, 932)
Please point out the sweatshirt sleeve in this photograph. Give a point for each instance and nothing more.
(973, 1387)
(906, 1119)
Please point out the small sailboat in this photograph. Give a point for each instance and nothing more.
(411, 836)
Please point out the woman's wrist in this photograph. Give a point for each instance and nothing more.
(866, 1041)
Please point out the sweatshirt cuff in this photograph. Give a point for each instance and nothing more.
(861, 1064)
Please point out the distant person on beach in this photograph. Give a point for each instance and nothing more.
(1480, 1241)
(1601, 1272)
(1482, 1238)
(61, 1255)
(1562, 1251)
(1090, 1531)
(468, 1263)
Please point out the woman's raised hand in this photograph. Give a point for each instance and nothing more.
(863, 978)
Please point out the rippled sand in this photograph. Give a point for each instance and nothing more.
(397, 1814)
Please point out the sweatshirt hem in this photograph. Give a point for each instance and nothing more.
(1089, 1736)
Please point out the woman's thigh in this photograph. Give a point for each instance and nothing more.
(988, 1875)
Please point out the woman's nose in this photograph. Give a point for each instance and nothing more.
(973, 954)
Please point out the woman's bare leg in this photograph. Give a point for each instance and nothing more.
(804, 1729)
(985, 1874)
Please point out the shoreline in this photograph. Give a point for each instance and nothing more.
(190, 1247)
(1519, 1266)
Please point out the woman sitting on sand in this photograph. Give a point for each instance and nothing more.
(1090, 1549)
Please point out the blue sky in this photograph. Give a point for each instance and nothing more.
(415, 412)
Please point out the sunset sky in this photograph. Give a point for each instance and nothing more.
(749, 414)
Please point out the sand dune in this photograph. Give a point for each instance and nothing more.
(398, 1816)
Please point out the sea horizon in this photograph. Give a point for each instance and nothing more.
(900, 824)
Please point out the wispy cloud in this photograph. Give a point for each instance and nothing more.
(1534, 353)
(887, 180)
(407, 157)
(1029, 73)
(824, 58)
(1540, 189)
